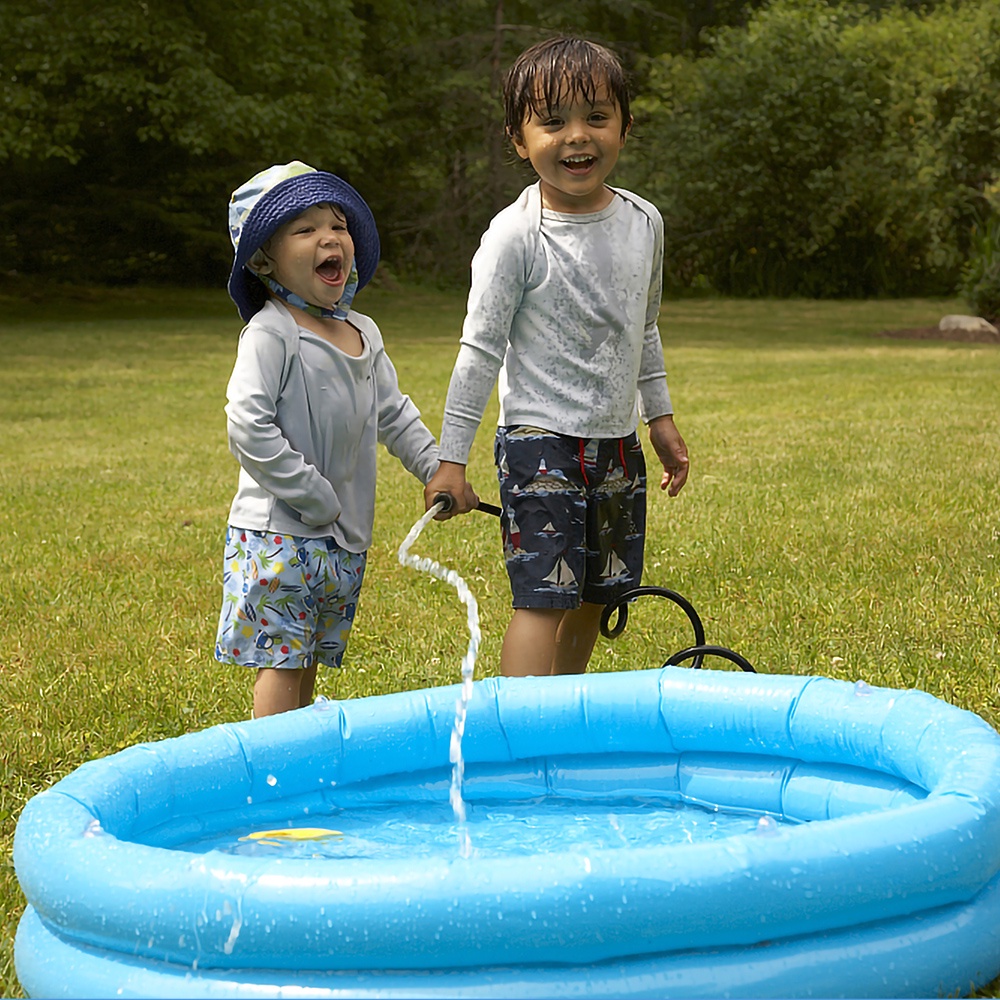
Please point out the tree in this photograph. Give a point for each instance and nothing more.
(124, 125)
(447, 167)
(799, 145)
(825, 150)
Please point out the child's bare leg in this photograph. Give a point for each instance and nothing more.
(307, 685)
(530, 642)
(575, 639)
(276, 691)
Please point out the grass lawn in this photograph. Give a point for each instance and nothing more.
(841, 518)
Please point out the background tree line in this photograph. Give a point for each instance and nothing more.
(794, 147)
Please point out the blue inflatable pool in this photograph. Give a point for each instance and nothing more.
(858, 852)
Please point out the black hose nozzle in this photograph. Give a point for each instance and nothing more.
(448, 502)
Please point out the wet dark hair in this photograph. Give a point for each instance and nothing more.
(546, 74)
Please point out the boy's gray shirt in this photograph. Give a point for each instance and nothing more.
(563, 313)
(304, 419)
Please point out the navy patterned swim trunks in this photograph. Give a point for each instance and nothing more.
(574, 516)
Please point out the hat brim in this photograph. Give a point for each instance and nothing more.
(284, 202)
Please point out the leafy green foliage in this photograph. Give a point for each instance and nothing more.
(794, 146)
(125, 125)
(447, 167)
(981, 274)
(824, 150)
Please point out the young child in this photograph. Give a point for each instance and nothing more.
(311, 393)
(563, 308)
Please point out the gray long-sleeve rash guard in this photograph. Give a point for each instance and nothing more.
(563, 309)
(304, 419)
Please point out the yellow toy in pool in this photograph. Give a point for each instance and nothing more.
(275, 838)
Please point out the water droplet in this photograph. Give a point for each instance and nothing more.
(272, 780)
(766, 826)
(861, 689)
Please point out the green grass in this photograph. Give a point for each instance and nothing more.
(841, 518)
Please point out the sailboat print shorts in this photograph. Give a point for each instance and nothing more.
(574, 516)
(287, 602)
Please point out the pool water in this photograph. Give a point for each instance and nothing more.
(495, 829)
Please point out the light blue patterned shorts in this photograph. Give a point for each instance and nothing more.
(287, 602)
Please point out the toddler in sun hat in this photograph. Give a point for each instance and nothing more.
(270, 199)
(311, 395)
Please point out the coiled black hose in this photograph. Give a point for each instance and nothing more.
(697, 652)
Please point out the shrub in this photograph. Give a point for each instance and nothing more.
(981, 274)
(824, 150)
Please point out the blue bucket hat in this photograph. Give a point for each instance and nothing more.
(275, 196)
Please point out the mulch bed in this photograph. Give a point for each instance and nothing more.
(934, 333)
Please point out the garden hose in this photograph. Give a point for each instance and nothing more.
(697, 652)
(701, 651)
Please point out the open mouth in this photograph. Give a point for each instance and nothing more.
(579, 164)
(331, 271)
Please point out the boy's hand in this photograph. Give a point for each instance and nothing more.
(672, 453)
(450, 478)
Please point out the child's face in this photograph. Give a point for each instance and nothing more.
(573, 148)
(312, 255)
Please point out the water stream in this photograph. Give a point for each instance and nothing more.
(426, 565)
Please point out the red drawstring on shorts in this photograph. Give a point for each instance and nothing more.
(583, 467)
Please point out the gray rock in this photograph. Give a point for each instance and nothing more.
(974, 324)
